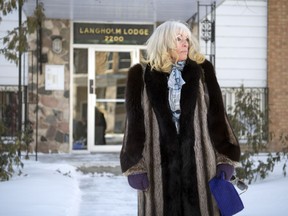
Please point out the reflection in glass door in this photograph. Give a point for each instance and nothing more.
(110, 79)
(80, 99)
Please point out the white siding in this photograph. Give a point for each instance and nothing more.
(9, 70)
(241, 43)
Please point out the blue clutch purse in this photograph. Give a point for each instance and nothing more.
(226, 196)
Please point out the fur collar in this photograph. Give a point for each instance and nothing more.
(157, 91)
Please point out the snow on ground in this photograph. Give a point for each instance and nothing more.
(107, 195)
(42, 189)
(57, 189)
(267, 197)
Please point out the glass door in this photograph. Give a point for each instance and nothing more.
(99, 81)
(107, 80)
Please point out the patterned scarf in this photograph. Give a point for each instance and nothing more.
(175, 83)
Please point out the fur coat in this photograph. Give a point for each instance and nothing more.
(178, 166)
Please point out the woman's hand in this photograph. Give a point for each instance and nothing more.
(138, 181)
(227, 169)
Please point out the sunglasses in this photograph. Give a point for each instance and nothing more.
(239, 183)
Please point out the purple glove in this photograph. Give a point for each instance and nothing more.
(138, 181)
(227, 169)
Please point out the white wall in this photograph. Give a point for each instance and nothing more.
(241, 43)
(9, 71)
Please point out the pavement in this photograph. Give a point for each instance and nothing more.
(105, 191)
(100, 162)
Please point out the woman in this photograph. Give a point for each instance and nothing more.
(177, 134)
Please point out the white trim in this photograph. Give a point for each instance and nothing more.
(109, 47)
(91, 100)
(71, 91)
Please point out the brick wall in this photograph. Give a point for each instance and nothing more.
(277, 62)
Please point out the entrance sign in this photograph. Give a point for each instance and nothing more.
(96, 33)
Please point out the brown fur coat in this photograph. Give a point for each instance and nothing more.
(178, 167)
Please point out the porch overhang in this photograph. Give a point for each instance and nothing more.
(119, 11)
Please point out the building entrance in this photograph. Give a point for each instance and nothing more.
(99, 81)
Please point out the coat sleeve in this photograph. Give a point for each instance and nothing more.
(221, 133)
(134, 135)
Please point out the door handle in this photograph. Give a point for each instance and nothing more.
(91, 86)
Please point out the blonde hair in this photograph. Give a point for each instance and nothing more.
(161, 46)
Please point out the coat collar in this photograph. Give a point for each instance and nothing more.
(191, 71)
(157, 92)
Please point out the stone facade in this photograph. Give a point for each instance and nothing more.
(278, 73)
(53, 105)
